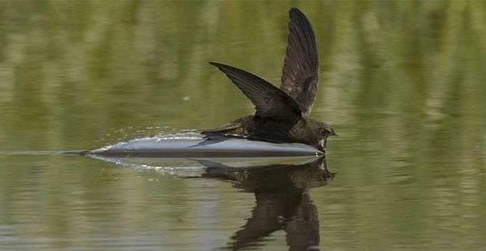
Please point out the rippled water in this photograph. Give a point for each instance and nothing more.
(403, 84)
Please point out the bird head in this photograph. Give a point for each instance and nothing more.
(324, 131)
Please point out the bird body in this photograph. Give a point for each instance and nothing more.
(304, 130)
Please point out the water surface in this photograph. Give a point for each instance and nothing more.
(402, 82)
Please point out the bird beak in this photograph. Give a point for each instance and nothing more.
(333, 133)
(322, 145)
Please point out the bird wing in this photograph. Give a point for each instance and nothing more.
(300, 70)
(269, 101)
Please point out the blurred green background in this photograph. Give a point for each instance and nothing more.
(402, 82)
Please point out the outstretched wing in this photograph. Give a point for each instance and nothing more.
(269, 101)
(300, 70)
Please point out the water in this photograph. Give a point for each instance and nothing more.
(402, 82)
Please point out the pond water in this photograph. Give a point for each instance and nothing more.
(403, 84)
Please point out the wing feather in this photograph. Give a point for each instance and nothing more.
(269, 101)
(300, 71)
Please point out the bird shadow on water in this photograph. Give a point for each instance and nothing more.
(282, 201)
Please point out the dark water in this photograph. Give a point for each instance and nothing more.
(402, 82)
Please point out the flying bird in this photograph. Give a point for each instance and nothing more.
(282, 115)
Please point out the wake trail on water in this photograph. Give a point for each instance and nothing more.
(185, 135)
(41, 153)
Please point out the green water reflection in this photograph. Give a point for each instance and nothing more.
(402, 82)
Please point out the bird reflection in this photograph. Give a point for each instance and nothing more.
(283, 202)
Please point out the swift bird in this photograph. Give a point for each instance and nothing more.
(281, 114)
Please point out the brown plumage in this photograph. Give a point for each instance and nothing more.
(281, 114)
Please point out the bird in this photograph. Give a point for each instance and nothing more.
(282, 114)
